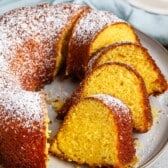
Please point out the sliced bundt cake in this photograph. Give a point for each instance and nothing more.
(23, 126)
(136, 56)
(34, 41)
(96, 131)
(121, 81)
(91, 32)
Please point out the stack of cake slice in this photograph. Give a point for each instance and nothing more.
(106, 53)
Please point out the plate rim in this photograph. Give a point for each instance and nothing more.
(147, 8)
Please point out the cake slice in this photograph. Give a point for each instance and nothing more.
(119, 80)
(23, 126)
(94, 30)
(96, 131)
(136, 56)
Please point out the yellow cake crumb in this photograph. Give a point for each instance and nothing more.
(154, 112)
(57, 104)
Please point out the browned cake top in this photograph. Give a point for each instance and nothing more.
(28, 40)
(22, 125)
(93, 22)
(19, 106)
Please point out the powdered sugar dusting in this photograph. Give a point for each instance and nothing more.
(19, 106)
(112, 102)
(92, 23)
(95, 57)
(29, 39)
(92, 62)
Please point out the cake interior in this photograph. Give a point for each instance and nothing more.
(118, 86)
(111, 34)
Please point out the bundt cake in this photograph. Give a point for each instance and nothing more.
(23, 126)
(94, 30)
(34, 44)
(34, 41)
(96, 131)
(136, 56)
(119, 80)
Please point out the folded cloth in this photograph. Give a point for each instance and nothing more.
(154, 25)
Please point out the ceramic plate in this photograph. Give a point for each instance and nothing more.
(154, 6)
